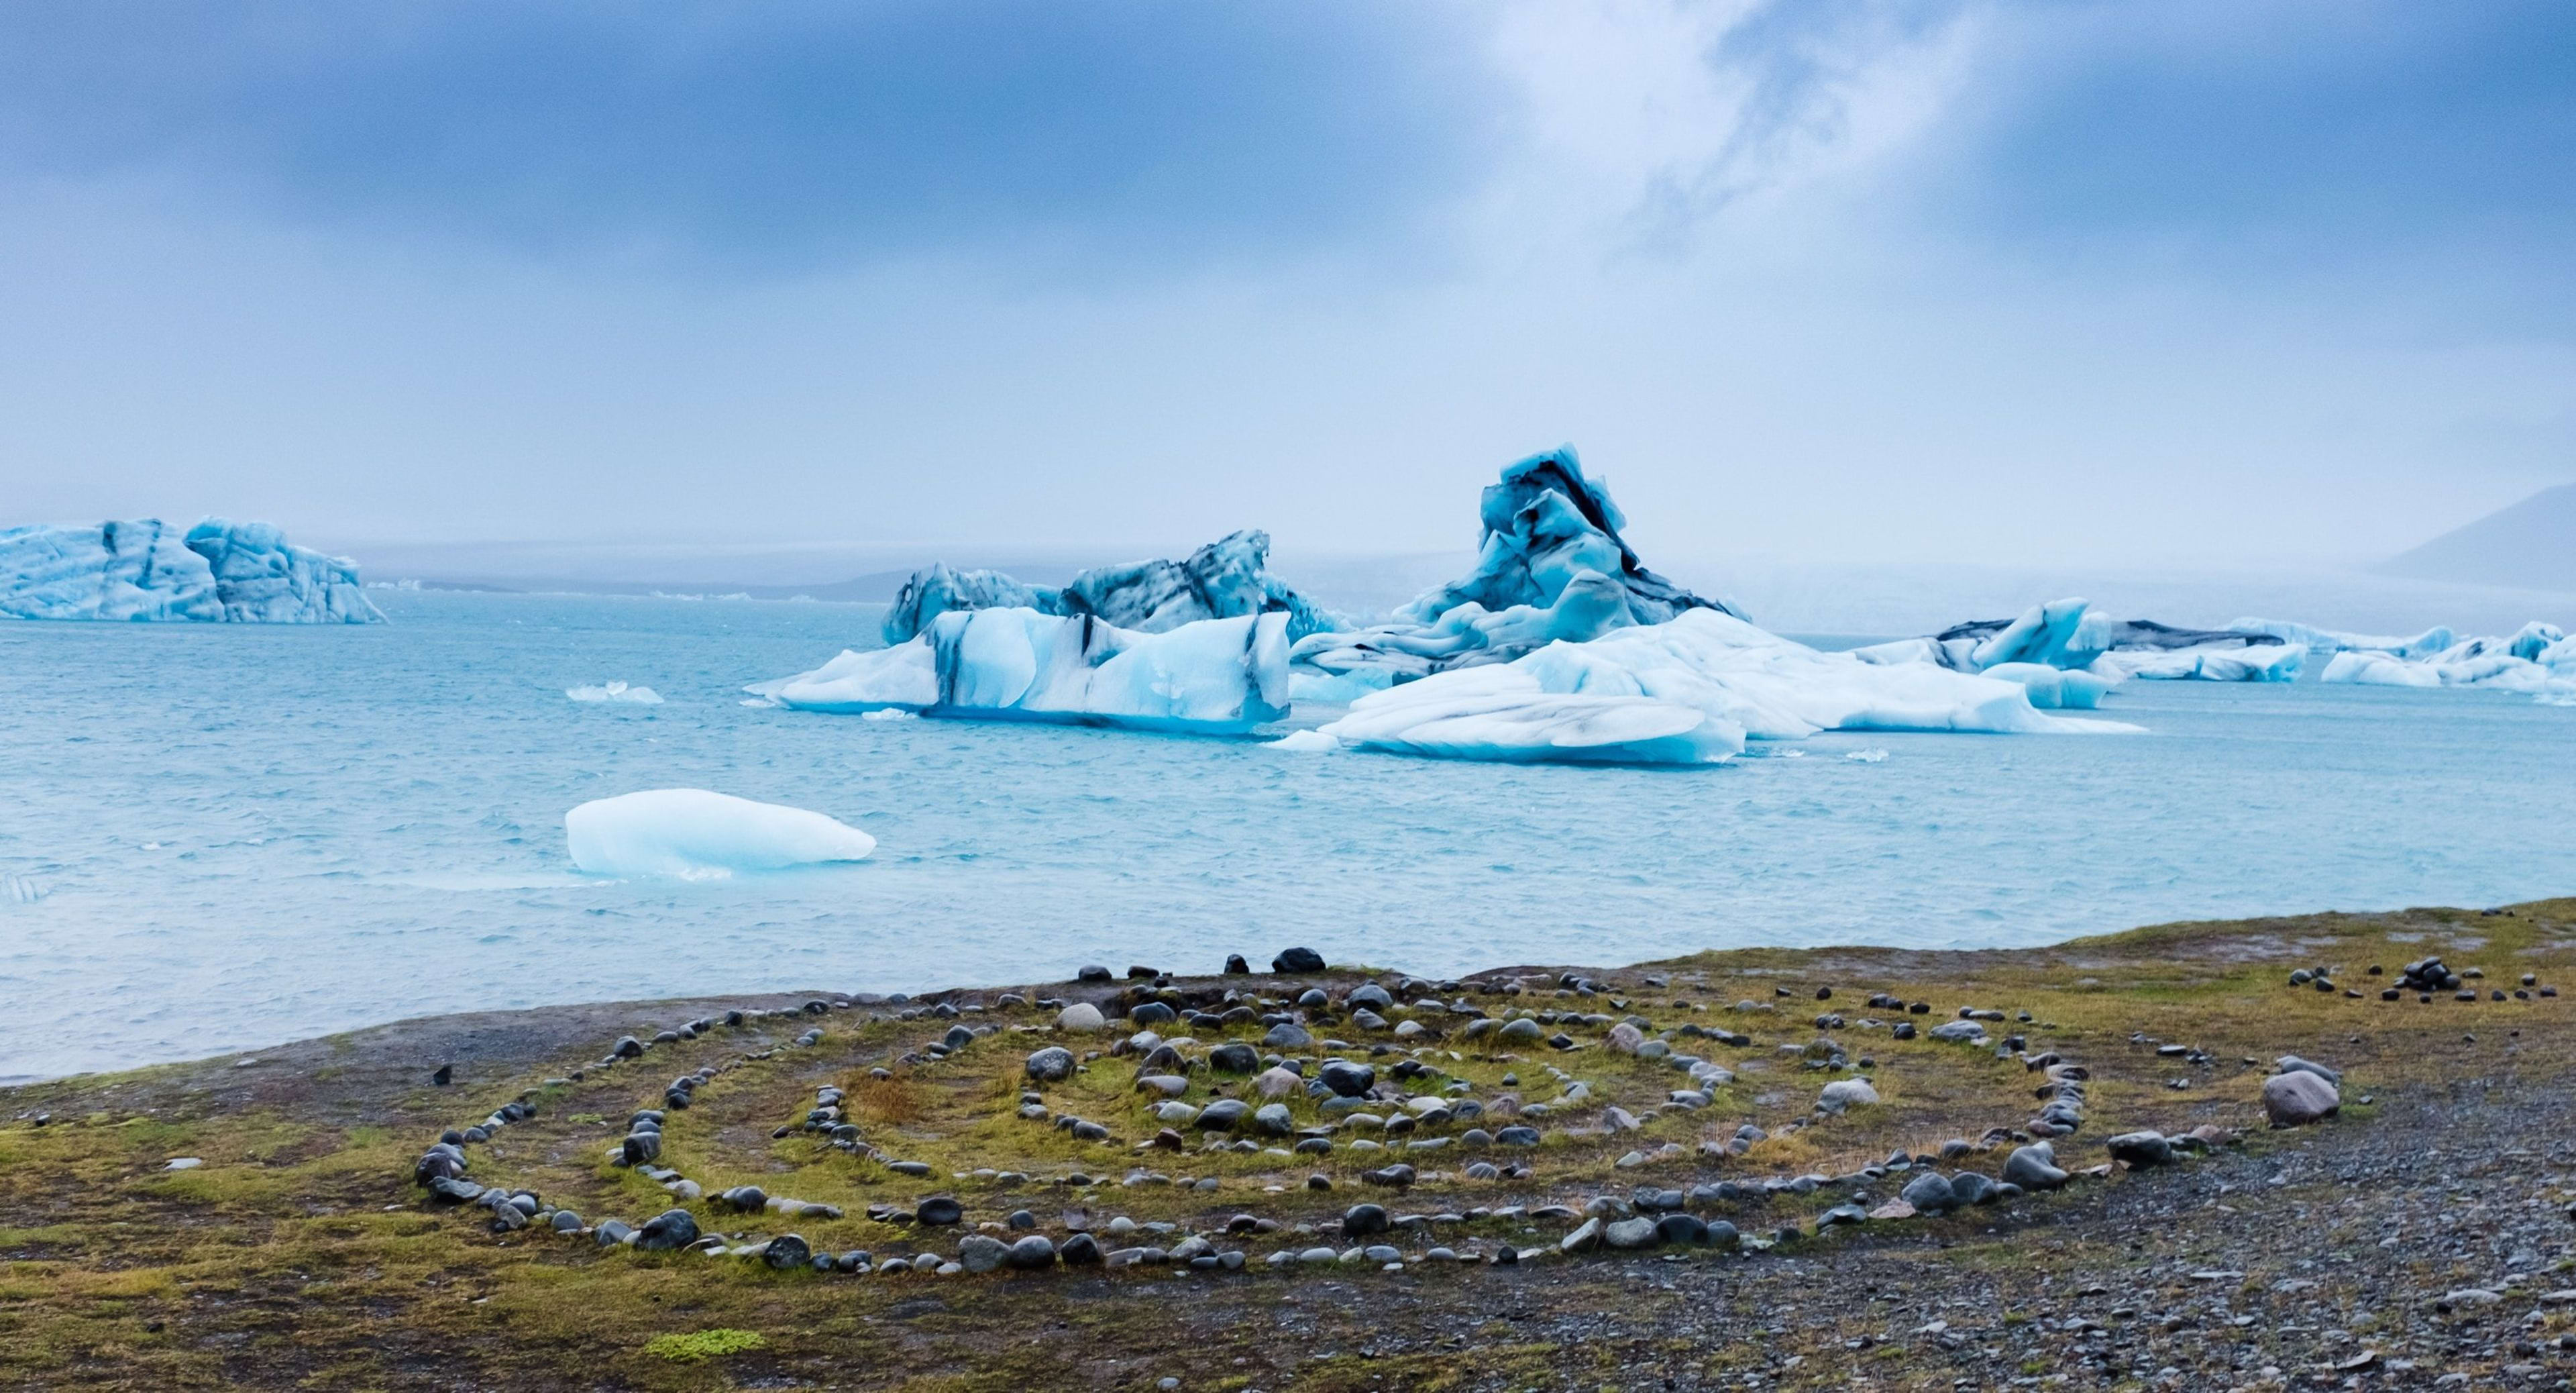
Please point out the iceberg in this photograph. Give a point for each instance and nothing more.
(1226, 579)
(616, 692)
(695, 834)
(217, 572)
(1690, 690)
(1206, 676)
(2069, 635)
(2317, 640)
(1551, 568)
(2538, 660)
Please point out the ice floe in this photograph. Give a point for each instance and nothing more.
(218, 571)
(696, 834)
(1210, 676)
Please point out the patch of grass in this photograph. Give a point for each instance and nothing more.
(703, 1344)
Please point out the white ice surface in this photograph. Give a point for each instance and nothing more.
(2271, 662)
(1211, 675)
(1688, 691)
(2422, 645)
(2056, 689)
(616, 692)
(2538, 660)
(695, 834)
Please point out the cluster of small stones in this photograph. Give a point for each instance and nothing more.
(2425, 979)
(1370, 1101)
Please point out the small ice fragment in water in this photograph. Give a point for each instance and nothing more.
(888, 714)
(1867, 756)
(616, 691)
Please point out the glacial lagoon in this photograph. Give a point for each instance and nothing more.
(218, 837)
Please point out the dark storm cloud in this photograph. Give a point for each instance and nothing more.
(780, 134)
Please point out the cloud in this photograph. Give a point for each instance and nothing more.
(779, 135)
(2270, 138)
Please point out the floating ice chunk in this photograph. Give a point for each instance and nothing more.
(144, 570)
(1687, 691)
(616, 691)
(1227, 579)
(1215, 675)
(890, 713)
(1871, 756)
(2422, 645)
(2537, 659)
(2067, 634)
(2273, 662)
(1505, 713)
(2056, 689)
(694, 834)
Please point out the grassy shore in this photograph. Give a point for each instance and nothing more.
(299, 1252)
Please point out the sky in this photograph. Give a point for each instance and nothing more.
(2182, 283)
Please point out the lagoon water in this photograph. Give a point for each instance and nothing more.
(217, 837)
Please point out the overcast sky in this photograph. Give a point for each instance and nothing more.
(2163, 282)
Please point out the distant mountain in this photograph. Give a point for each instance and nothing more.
(2529, 546)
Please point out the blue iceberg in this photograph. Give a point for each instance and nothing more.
(1226, 579)
(1209, 676)
(2069, 635)
(217, 572)
(2537, 660)
(1551, 568)
(1690, 690)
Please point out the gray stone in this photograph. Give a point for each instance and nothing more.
(2141, 1149)
(1929, 1193)
(1630, 1234)
(1583, 1239)
(1054, 1064)
(1287, 1036)
(1235, 1058)
(2298, 1098)
(1031, 1253)
(1081, 1018)
(978, 1252)
(1298, 960)
(2291, 1063)
(1844, 1094)
(2034, 1167)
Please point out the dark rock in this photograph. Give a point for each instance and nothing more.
(1298, 960)
(1054, 1064)
(670, 1229)
(1361, 1220)
(939, 1211)
(1234, 1058)
(786, 1251)
(1347, 1079)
